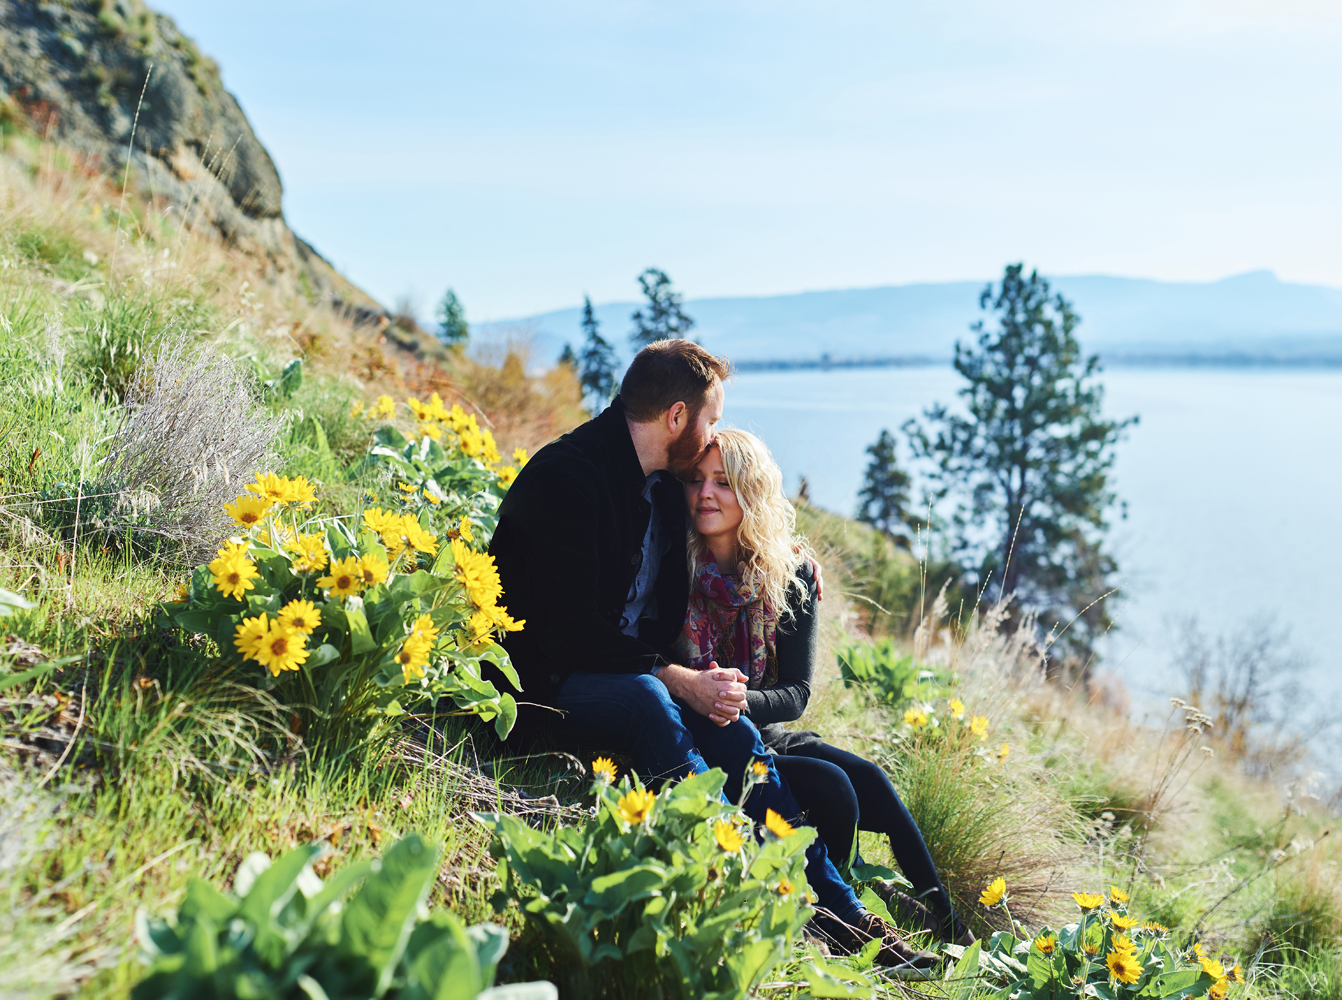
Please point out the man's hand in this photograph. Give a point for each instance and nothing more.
(717, 693)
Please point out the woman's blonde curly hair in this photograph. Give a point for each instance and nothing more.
(767, 541)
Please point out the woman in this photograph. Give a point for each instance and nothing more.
(752, 607)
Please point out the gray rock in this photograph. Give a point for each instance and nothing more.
(81, 72)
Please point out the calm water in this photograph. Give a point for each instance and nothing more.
(1232, 480)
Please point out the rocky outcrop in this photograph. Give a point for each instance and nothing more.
(112, 79)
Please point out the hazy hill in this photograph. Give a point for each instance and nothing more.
(1247, 318)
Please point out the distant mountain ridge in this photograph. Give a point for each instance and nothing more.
(1252, 318)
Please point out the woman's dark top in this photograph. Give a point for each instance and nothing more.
(786, 700)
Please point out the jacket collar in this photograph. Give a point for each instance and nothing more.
(614, 430)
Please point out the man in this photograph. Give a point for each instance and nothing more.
(590, 548)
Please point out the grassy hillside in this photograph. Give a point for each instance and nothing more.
(135, 766)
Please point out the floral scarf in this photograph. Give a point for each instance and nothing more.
(728, 622)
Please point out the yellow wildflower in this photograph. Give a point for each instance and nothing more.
(423, 541)
(978, 725)
(784, 887)
(1213, 968)
(727, 836)
(476, 573)
(424, 626)
(1117, 895)
(309, 553)
(385, 407)
(471, 443)
(268, 486)
(1123, 923)
(372, 569)
(1088, 900)
(413, 656)
(432, 431)
(381, 521)
(298, 491)
(356, 408)
(1155, 928)
(1219, 990)
(464, 529)
(915, 717)
(500, 617)
(994, 893)
(432, 498)
(1236, 973)
(407, 488)
(957, 708)
(282, 648)
(1090, 947)
(1046, 943)
(247, 511)
(759, 768)
(520, 457)
(301, 616)
(345, 579)
(603, 768)
(249, 635)
(1004, 751)
(232, 572)
(1121, 943)
(459, 419)
(1124, 966)
(636, 806)
(181, 593)
(507, 474)
(480, 625)
(777, 825)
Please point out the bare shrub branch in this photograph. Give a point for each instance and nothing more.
(193, 431)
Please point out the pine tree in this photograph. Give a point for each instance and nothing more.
(663, 316)
(452, 319)
(568, 357)
(883, 500)
(597, 373)
(1029, 463)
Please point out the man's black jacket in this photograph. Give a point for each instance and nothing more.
(568, 544)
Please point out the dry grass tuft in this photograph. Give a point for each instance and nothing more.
(193, 433)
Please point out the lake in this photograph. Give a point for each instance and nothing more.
(1232, 480)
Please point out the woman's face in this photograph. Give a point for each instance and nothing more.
(713, 506)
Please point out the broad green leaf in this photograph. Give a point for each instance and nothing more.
(503, 725)
(321, 656)
(377, 922)
(203, 900)
(833, 980)
(360, 637)
(11, 602)
(876, 905)
(442, 962)
(961, 982)
(540, 990)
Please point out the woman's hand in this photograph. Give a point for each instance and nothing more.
(716, 693)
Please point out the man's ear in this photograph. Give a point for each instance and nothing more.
(675, 417)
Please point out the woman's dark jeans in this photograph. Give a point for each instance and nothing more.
(843, 793)
(635, 714)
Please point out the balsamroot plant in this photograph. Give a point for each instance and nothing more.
(283, 934)
(658, 895)
(351, 624)
(192, 432)
(1107, 953)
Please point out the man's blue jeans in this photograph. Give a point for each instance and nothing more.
(635, 714)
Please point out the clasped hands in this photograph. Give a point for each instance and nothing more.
(717, 693)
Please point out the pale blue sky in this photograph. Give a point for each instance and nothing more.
(527, 153)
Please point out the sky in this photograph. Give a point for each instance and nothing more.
(528, 153)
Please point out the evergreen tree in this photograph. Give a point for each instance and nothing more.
(663, 316)
(452, 319)
(568, 357)
(1030, 462)
(597, 373)
(883, 500)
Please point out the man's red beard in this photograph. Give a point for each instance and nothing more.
(684, 452)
